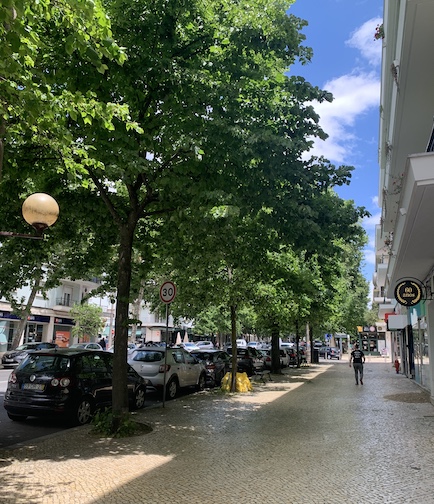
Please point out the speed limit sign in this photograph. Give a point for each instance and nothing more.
(167, 292)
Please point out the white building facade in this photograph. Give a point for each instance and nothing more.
(50, 318)
(405, 238)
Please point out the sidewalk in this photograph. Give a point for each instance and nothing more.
(308, 437)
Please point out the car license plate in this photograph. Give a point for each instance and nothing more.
(33, 386)
(9, 360)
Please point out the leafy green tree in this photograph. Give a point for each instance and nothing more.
(214, 121)
(205, 83)
(371, 316)
(34, 108)
(88, 321)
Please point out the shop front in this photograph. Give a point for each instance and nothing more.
(62, 331)
(370, 340)
(36, 329)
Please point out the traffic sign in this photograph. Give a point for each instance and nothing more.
(167, 292)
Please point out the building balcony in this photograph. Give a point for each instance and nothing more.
(64, 304)
(381, 275)
(412, 254)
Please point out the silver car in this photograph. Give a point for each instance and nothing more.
(181, 368)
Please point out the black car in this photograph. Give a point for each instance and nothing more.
(14, 357)
(249, 360)
(67, 383)
(217, 364)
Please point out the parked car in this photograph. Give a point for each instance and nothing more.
(130, 348)
(14, 357)
(189, 346)
(249, 360)
(68, 383)
(87, 346)
(205, 345)
(182, 369)
(334, 353)
(284, 345)
(254, 344)
(284, 358)
(329, 352)
(217, 363)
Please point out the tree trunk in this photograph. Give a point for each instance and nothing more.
(2, 145)
(275, 349)
(297, 343)
(26, 312)
(120, 391)
(234, 347)
(310, 332)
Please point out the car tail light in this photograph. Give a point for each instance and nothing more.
(63, 382)
(268, 358)
(161, 368)
(13, 378)
(210, 366)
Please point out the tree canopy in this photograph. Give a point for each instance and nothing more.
(190, 112)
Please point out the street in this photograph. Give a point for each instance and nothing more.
(12, 433)
(18, 432)
(310, 436)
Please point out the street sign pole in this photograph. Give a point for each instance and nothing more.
(167, 295)
(165, 354)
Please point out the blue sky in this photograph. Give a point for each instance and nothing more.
(347, 62)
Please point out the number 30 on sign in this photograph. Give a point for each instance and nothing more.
(167, 292)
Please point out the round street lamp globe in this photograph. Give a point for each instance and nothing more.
(40, 211)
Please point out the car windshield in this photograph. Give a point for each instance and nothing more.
(203, 355)
(148, 356)
(35, 363)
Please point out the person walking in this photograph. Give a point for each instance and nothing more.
(358, 358)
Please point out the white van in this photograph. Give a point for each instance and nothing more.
(241, 343)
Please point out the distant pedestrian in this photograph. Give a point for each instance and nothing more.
(103, 343)
(358, 358)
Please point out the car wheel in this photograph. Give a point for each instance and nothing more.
(172, 388)
(17, 418)
(139, 398)
(83, 411)
(202, 382)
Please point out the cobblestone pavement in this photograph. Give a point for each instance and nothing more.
(311, 436)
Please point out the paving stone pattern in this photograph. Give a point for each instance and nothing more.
(311, 436)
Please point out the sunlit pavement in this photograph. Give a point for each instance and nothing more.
(310, 436)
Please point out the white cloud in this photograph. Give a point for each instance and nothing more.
(371, 222)
(364, 41)
(354, 95)
(369, 256)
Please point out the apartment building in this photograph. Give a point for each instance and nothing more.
(404, 277)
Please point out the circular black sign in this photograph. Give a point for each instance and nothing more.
(408, 292)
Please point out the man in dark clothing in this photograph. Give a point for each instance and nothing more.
(358, 358)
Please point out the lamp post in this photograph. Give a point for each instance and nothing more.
(40, 211)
